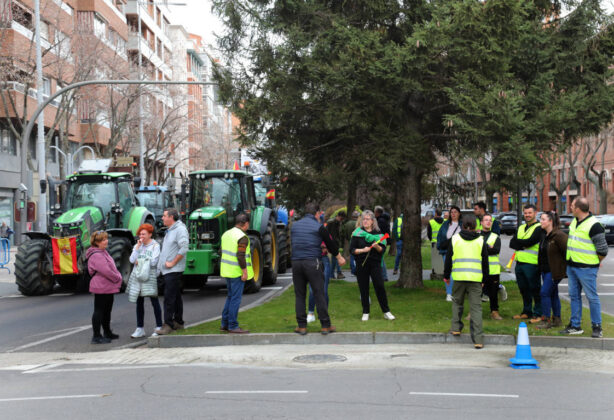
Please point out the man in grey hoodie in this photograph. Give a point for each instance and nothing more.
(172, 264)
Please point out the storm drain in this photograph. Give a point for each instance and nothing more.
(319, 358)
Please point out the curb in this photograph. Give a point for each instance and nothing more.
(211, 340)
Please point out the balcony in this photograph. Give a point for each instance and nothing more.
(147, 52)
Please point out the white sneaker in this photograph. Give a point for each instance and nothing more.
(449, 298)
(388, 316)
(365, 317)
(138, 333)
(502, 293)
(156, 331)
(311, 317)
(485, 298)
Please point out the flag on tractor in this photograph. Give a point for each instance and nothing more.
(270, 194)
(64, 255)
(236, 167)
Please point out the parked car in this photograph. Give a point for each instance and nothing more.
(565, 222)
(509, 223)
(607, 220)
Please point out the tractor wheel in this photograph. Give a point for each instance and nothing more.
(120, 250)
(270, 249)
(254, 285)
(33, 270)
(283, 251)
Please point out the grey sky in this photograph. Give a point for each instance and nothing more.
(197, 18)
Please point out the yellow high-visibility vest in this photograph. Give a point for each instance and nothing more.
(229, 265)
(467, 259)
(580, 247)
(528, 255)
(434, 229)
(494, 267)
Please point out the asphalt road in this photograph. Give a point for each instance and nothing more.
(62, 321)
(217, 391)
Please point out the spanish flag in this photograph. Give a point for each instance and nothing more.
(64, 255)
(270, 194)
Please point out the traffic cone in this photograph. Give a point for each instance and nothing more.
(523, 359)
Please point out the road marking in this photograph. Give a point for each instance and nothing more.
(606, 275)
(598, 284)
(46, 340)
(599, 293)
(11, 296)
(271, 288)
(257, 392)
(50, 368)
(56, 397)
(454, 394)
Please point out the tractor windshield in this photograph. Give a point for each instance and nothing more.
(260, 194)
(153, 201)
(216, 192)
(88, 193)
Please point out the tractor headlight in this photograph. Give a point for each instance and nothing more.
(57, 206)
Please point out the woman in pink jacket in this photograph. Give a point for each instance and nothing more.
(106, 281)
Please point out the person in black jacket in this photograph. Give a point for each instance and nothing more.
(307, 237)
(368, 250)
(492, 281)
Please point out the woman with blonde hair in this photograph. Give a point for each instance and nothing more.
(368, 249)
(106, 281)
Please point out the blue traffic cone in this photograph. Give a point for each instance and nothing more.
(523, 359)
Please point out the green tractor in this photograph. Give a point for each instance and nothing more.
(95, 200)
(215, 198)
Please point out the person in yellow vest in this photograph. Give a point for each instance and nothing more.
(479, 210)
(526, 243)
(491, 283)
(397, 236)
(236, 269)
(467, 261)
(586, 248)
(432, 229)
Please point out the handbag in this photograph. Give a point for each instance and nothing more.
(142, 269)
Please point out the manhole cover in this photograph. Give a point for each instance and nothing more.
(319, 358)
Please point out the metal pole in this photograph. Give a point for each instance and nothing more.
(40, 142)
(141, 135)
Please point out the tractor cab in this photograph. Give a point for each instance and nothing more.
(156, 198)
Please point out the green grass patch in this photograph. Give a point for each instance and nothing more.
(416, 310)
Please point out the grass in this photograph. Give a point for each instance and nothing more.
(417, 310)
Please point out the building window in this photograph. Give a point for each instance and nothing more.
(44, 31)
(53, 153)
(46, 87)
(8, 142)
(100, 27)
(22, 16)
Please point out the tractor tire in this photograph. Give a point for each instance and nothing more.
(254, 285)
(33, 269)
(282, 242)
(120, 250)
(270, 249)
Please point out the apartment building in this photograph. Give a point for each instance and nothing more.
(70, 30)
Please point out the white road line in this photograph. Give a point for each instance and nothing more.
(56, 397)
(271, 288)
(11, 296)
(599, 293)
(598, 284)
(605, 275)
(46, 340)
(256, 392)
(454, 394)
(50, 368)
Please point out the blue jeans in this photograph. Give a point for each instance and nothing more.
(384, 270)
(327, 271)
(583, 278)
(352, 264)
(233, 302)
(550, 296)
(334, 267)
(397, 260)
(448, 286)
(140, 311)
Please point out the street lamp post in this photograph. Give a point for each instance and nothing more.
(40, 141)
(69, 157)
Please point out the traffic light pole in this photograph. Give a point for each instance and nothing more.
(38, 111)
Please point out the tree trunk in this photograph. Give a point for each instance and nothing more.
(411, 262)
(350, 204)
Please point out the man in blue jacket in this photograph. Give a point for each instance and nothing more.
(307, 237)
